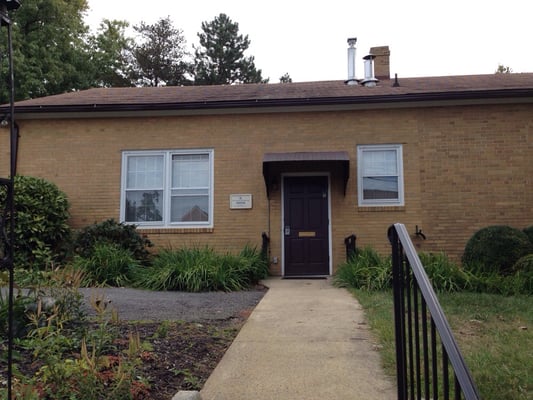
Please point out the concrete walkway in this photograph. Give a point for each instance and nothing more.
(305, 340)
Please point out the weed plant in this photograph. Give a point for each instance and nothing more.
(71, 358)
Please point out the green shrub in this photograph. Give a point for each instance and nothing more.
(444, 275)
(256, 263)
(495, 249)
(41, 215)
(529, 233)
(109, 264)
(201, 269)
(110, 231)
(366, 270)
(523, 275)
(20, 318)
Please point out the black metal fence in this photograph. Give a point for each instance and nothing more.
(428, 361)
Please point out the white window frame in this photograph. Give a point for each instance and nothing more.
(167, 188)
(361, 149)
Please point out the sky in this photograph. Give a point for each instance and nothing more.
(308, 39)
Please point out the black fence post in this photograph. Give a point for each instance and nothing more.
(399, 321)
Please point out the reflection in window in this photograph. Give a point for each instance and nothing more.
(167, 188)
(380, 175)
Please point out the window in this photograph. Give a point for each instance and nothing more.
(380, 175)
(167, 188)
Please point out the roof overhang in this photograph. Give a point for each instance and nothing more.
(340, 158)
(271, 105)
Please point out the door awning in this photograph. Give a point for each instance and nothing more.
(273, 160)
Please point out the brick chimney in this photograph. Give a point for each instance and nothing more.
(381, 62)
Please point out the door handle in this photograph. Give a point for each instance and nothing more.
(287, 230)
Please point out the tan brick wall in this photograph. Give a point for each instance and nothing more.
(464, 168)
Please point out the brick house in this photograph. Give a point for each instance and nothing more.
(308, 163)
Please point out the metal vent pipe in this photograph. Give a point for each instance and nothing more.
(370, 79)
(351, 62)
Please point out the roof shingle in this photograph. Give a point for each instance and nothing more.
(279, 94)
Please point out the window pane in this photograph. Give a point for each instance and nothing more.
(380, 188)
(145, 172)
(190, 170)
(190, 192)
(144, 206)
(382, 162)
(189, 208)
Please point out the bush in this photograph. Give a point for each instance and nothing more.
(201, 269)
(256, 264)
(495, 249)
(444, 275)
(523, 275)
(109, 264)
(529, 233)
(41, 215)
(112, 232)
(366, 270)
(20, 318)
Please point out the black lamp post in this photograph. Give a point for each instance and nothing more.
(9, 238)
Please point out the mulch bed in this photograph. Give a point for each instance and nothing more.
(178, 355)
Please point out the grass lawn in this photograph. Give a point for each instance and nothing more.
(495, 335)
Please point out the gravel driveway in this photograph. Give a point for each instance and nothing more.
(135, 304)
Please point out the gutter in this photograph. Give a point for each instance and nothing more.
(256, 105)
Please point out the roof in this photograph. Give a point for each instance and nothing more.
(516, 85)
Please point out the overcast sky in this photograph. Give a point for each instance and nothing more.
(307, 39)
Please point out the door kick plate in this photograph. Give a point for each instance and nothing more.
(306, 234)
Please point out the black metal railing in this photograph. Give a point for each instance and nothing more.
(429, 364)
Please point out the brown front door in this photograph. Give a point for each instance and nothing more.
(305, 227)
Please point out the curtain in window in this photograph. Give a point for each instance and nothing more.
(380, 174)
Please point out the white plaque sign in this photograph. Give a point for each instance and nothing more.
(240, 201)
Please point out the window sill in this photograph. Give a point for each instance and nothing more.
(165, 231)
(380, 208)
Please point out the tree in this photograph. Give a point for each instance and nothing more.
(220, 58)
(286, 78)
(111, 55)
(50, 51)
(503, 69)
(159, 58)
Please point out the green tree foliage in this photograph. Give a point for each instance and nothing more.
(49, 48)
(502, 69)
(111, 54)
(220, 58)
(286, 78)
(41, 216)
(159, 58)
(529, 233)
